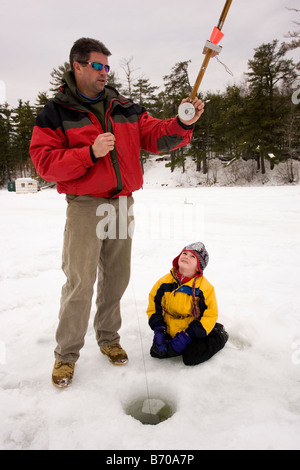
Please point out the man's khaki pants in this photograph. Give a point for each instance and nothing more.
(97, 241)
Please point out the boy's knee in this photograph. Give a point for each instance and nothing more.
(200, 351)
(195, 353)
(191, 361)
(220, 334)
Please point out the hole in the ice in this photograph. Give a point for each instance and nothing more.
(150, 410)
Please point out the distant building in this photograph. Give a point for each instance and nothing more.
(26, 185)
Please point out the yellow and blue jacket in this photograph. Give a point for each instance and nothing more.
(170, 305)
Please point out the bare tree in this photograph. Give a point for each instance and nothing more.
(129, 74)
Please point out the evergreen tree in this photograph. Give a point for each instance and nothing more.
(41, 100)
(57, 77)
(6, 160)
(228, 126)
(23, 121)
(264, 111)
(144, 94)
(290, 130)
(160, 106)
(206, 138)
(293, 35)
(177, 86)
(114, 81)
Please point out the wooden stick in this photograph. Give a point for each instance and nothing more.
(209, 53)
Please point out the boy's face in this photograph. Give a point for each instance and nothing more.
(188, 264)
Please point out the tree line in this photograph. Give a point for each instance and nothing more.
(255, 119)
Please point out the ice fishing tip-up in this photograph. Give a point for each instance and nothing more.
(186, 111)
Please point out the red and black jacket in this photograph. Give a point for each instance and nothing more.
(65, 130)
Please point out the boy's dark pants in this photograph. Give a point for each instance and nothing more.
(201, 350)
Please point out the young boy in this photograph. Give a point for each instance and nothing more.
(183, 311)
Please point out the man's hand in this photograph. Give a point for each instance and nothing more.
(199, 107)
(103, 144)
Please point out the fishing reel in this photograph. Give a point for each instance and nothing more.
(186, 111)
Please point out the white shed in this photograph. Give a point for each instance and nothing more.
(26, 185)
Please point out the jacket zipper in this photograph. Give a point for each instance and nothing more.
(113, 153)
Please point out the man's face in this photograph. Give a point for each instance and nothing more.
(89, 81)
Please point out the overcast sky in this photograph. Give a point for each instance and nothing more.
(36, 36)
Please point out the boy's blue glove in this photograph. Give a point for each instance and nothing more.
(178, 344)
(159, 346)
(160, 336)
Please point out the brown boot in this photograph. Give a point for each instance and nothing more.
(116, 354)
(62, 375)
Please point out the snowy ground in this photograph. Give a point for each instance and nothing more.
(246, 397)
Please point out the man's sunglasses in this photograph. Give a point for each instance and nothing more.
(97, 66)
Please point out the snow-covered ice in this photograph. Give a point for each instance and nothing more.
(246, 397)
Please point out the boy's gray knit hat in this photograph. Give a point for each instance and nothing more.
(199, 250)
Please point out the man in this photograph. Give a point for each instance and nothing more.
(88, 140)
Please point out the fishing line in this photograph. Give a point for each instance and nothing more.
(148, 410)
(142, 346)
(225, 66)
